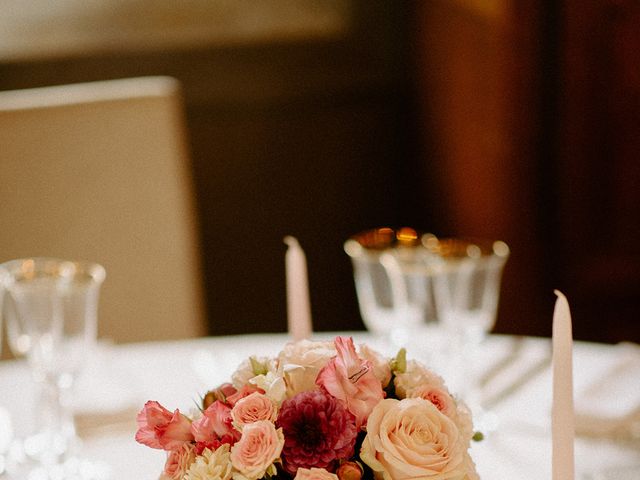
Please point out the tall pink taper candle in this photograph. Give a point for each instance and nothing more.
(562, 415)
(298, 308)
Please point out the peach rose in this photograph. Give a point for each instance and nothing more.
(300, 362)
(252, 408)
(314, 474)
(259, 446)
(178, 462)
(457, 411)
(411, 439)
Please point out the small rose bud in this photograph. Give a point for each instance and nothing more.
(208, 399)
(399, 364)
(221, 393)
(349, 471)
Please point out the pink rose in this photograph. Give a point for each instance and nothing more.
(252, 408)
(178, 461)
(411, 439)
(159, 428)
(260, 445)
(314, 474)
(215, 426)
(439, 397)
(352, 380)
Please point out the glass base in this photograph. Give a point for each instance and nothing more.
(22, 464)
(71, 469)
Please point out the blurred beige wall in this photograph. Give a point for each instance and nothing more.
(41, 29)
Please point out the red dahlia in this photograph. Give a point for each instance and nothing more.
(318, 431)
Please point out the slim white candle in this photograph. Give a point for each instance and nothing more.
(298, 308)
(562, 413)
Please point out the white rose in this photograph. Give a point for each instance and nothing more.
(411, 439)
(211, 465)
(300, 363)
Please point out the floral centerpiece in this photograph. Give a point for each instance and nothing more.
(319, 410)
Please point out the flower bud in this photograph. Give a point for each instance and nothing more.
(258, 367)
(221, 393)
(349, 471)
(399, 364)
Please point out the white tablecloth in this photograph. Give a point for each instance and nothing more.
(515, 373)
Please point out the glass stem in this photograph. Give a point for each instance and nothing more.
(57, 429)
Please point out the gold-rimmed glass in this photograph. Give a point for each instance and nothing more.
(393, 283)
(6, 428)
(439, 292)
(50, 309)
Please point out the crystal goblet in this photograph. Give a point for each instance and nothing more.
(393, 280)
(51, 318)
(466, 282)
(6, 429)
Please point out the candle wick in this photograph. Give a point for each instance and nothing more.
(291, 241)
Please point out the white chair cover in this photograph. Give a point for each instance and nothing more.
(99, 171)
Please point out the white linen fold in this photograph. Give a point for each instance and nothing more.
(609, 405)
(106, 399)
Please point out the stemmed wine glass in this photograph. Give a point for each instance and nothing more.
(442, 293)
(51, 318)
(466, 283)
(393, 291)
(6, 431)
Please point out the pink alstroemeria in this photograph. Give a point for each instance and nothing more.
(352, 380)
(159, 428)
(215, 426)
(245, 391)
